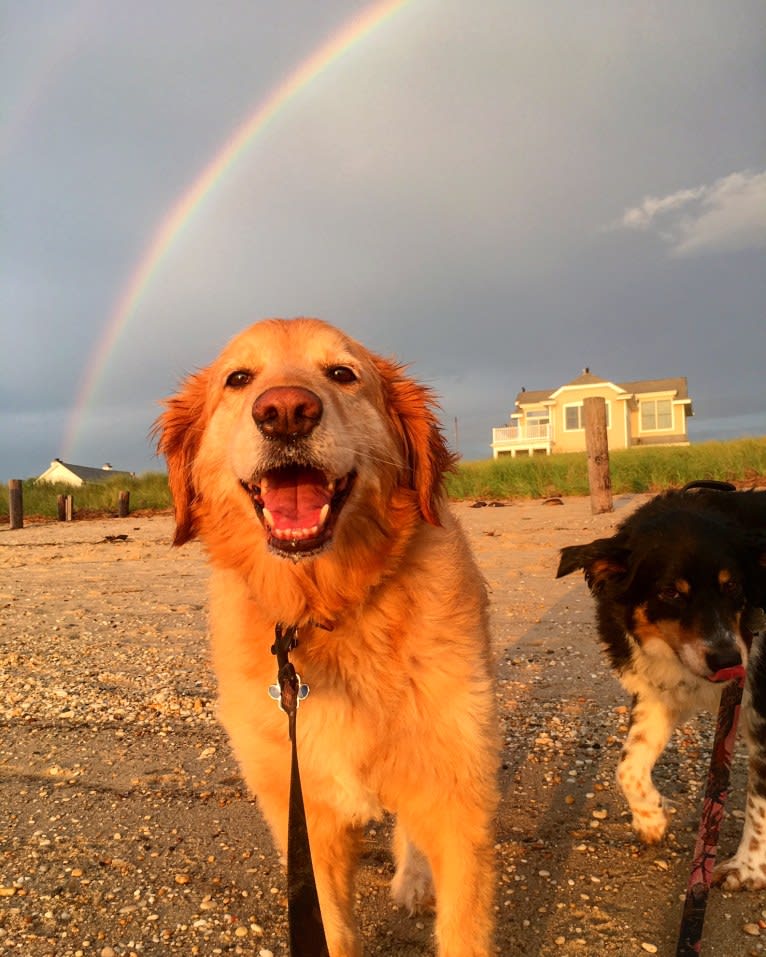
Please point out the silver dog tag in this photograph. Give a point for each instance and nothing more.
(276, 694)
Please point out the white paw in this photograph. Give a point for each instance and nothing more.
(412, 886)
(741, 873)
(650, 823)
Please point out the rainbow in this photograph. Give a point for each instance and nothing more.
(180, 214)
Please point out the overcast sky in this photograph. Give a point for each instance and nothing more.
(499, 192)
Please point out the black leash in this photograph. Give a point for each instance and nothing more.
(307, 937)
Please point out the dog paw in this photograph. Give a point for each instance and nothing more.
(412, 886)
(650, 824)
(741, 874)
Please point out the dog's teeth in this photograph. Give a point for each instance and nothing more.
(295, 534)
(268, 517)
(331, 486)
(323, 516)
(263, 484)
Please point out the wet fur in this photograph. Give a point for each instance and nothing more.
(392, 621)
(679, 592)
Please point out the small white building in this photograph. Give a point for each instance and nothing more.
(80, 474)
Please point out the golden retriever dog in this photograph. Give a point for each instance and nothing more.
(312, 470)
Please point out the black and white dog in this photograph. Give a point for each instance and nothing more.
(680, 590)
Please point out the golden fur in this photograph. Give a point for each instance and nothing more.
(392, 617)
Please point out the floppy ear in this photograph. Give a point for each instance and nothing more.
(411, 407)
(602, 561)
(179, 430)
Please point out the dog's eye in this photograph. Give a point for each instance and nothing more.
(731, 588)
(341, 374)
(239, 379)
(669, 595)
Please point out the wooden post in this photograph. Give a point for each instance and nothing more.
(15, 504)
(599, 480)
(65, 508)
(123, 505)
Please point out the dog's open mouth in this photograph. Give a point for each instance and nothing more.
(299, 506)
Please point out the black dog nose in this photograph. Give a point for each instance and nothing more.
(287, 412)
(720, 658)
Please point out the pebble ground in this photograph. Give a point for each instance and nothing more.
(125, 826)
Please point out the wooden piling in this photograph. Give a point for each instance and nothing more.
(597, 444)
(65, 508)
(123, 505)
(15, 503)
(68, 508)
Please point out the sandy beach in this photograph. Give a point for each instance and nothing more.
(126, 828)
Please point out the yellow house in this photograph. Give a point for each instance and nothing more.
(642, 413)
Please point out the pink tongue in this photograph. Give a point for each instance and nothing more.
(295, 497)
(726, 674)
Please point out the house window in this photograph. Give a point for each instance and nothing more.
(537, 424)
(656, 415)
(574, 418)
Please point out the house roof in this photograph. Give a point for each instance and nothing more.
(678, 385)
(529, 397)
(586, 377)
(87, 473)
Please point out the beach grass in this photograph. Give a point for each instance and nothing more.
(148, 492)
(742, 462)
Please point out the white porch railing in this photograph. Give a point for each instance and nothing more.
(516, 440)
(517, 434)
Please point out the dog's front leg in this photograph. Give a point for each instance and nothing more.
(464, 880)
(334, 853)
(456, 841)
(334, 843)
(651, 724)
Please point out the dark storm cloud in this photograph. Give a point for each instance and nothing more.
(500, 194)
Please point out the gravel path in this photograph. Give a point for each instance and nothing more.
(126, 829)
